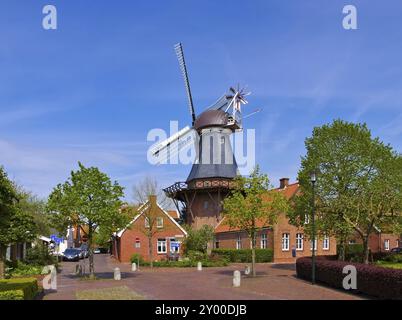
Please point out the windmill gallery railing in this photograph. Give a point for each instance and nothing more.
(179, 187)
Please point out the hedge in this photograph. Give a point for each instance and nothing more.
(12, 295)
(213, 261)
(383, 283)
(244, 255)
(28, 286)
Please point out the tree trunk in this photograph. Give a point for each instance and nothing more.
(341, 250)
(150, 251)
(253, 243)
(365, 249)
(91, 255)
(3, 251)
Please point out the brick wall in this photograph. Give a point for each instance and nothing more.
(127, 244)
(377, 241)
(228, 240)
(282, 226)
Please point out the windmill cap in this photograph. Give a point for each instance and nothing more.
(211, 118)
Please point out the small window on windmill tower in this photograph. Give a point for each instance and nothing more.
(206, 204)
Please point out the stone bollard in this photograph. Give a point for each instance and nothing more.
(133, 266)
(199, 266)
(247, 270)
(117, 274)
(78, 270)
(236, 278)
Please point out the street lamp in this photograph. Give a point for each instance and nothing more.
(313, 179)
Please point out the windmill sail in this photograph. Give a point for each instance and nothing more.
(180, 56)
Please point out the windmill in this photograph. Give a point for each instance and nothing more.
(199, 198)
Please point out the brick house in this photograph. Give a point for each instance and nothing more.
(379, 241)
(133, 239)
(287, 241)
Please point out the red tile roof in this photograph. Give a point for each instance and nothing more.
(174, 214)
(289, 191)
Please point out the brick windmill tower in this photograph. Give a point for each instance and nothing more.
(199, 198)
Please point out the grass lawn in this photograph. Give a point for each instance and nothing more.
(387, 264)
(114, 293)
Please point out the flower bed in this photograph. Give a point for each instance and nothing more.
(383, 283)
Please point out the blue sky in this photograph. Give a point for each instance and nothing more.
(91, 90)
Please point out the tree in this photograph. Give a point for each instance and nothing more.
(36, 208)
(251, 206)
(88, 198)
(147, 187)
(152, 223)
(197, 240)
(358, 185)
(16, 224)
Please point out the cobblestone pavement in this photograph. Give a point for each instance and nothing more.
(273, 282)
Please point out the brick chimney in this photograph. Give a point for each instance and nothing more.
(284, 182)
(152, 200)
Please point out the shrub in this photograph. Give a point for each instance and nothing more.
(354, 252)
(191, 263)
(29, 287)
(40, 256)
(21, 269)
(197, 240)
(12, 295)
(394, 258)
(244, 255)
(372, 280)
(196, 255)
(136, 257)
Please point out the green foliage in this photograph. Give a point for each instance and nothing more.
(197, 240)
(359, 182)
(244, 255)
(17, 223)
(251, 201)
(136, 257)
(394, 258)
(353, 249)
(18, 269)
(39, 256)
(187, 263)
(196, 255)
(29, 287)
(12, 295)
(88, 198)
(190, 261)
(251, 206)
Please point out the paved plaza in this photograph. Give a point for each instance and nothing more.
(273, 282)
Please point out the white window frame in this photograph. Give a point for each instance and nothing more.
(325, 243)
(159, 222)
(285, 241)
(299, 241)
(315, 245)
(306, 219)
(238, 243)
(163, 244)
(386, 245)
(264, 241)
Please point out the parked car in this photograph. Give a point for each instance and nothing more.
(396, 250)
(97, 251)
(71, 254)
